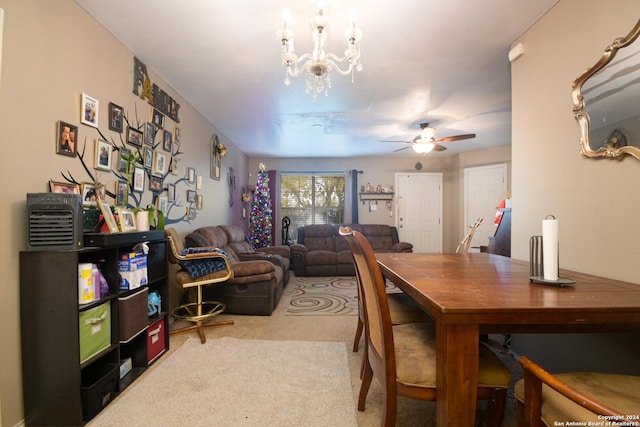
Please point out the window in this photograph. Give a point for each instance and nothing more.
(311, 199)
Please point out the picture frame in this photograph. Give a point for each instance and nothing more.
(148, 157)
(134, 136)
(122, 192)
(89, 109)
(138, 179)
(162, 204)
(191, 196)
(103, 155)
(155, 184)
(199, 201)
(160, 164)
(149, 133)
(191, 213)
(198, 182)
(177, 135)
(89, 195)
(122, 163)
(215, 159)
(116, 114)
(126, 219)
(157, 118)
(107, 214)
(174, 166)
(64, 187)
(166, 140)
(191, 175)
(171, 192)
(66, 140)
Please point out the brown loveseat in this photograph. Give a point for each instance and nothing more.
(321, 251)
(258, 276)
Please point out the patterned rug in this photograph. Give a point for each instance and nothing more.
(326, 296)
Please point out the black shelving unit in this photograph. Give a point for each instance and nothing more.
(59, 389)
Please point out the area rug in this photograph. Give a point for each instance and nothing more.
(233, 382)
(325, 296)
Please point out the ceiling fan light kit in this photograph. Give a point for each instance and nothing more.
(427, 141)
(318, 65)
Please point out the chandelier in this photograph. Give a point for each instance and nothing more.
(318, 65)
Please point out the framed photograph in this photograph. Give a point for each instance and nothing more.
(171, 192)
(174, 165)
(107, 214)
(157, 118)
(89, 111)
(149, 133)
(176, 135)
(199, 201)
(66, 141)
(122, 163)
(138, 179)
(64, 187)
(155, 184)
(191, 175)
(127, 219)
(122, 193)
(148, 157)
(198, 182)
(89, 196)
(115, 117)
(191, 213)
(160, 163)
(162, 204)
(191, 196)
(215, 158)
(134, 136)
(166, 141)
(102, 155)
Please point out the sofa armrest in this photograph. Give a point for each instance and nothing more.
(252, 268)
(402, 247)
(282, 250)
(261, 256)
(298, 257)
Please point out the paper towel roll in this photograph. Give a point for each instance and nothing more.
(550, 247)
(85, 283)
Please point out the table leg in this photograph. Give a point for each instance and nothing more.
(457, 374)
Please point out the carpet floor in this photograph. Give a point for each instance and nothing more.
(232, 382)
(335, 328)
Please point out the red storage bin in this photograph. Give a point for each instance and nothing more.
(156, 342)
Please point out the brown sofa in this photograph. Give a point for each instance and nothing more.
(321, 251)
(259, 277)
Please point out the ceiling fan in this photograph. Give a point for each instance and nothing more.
(426, 141)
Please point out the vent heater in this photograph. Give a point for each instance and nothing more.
(54, 221)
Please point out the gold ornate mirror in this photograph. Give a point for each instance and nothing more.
(606, 101)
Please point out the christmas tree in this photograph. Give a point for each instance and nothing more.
(260, 217)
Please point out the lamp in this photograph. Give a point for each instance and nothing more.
(424, 143)
(319, 64)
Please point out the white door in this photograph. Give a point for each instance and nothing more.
(484, 188)
(419, 210)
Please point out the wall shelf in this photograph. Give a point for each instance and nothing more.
(370, 197)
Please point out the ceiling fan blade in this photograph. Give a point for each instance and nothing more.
(388, 140)
(400, 149)
(438, 147)
(456, 137)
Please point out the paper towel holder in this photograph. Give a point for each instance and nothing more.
(536, 265)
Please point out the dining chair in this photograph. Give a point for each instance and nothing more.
(403, 357)
(549, 399)
(203, 267)
(465, 244)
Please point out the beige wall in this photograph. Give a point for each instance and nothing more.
(52, 52)
(594, 200)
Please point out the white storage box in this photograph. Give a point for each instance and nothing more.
(133, 269)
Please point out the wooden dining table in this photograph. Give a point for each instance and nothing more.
(480, 293)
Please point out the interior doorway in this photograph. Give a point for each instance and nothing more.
(419, 210)
(484, 188)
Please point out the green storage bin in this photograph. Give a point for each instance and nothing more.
(95, 330)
